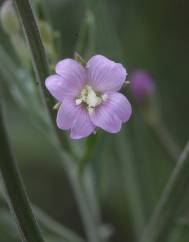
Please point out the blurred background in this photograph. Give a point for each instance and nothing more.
(129, 169)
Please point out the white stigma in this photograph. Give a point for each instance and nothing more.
(90, 98)
(104, 97)
(78, 101)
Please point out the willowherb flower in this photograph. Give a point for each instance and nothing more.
(142, 84)
(89, 96)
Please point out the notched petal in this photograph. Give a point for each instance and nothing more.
(73, 75)
(105, 75)
(114, 111)
(83, 126)
(102, 118)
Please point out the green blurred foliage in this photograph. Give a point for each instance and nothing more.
(132, 169)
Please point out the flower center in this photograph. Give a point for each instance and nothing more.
(90, 98)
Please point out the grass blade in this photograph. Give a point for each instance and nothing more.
(169, 201)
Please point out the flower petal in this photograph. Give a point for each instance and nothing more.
(73, 74)
(66, 114)
(83, 126)
(112, 113)
(54, 84)
(103, 117)
(105, 75)
(119, 105)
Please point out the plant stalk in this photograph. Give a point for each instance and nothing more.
(17, 197)
(40, 64)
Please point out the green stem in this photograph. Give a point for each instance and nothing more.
(82, 204)
(90, 224)
(124, 150)
(39, 58)
(17, 197)
(90, 146)
(49, 223)
(170, 200)
(40, 64)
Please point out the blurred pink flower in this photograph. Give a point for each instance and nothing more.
(88, 96)
(142, 84)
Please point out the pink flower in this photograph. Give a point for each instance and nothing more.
(142, 85)
(88, 96)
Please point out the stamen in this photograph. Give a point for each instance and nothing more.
(90, 98)
(78, 101)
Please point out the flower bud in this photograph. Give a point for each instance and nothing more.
(142, 85)
(143, 90)
(9, 18)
